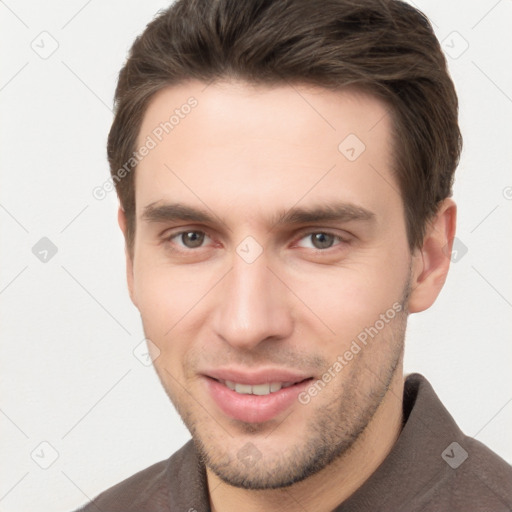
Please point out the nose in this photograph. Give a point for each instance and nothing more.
(253, 306)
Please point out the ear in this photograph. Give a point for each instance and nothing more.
(121, 219)
(431, 262)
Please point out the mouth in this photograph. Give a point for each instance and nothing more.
(255, 398)
(258, 389)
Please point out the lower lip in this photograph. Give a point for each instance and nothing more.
(253, 408)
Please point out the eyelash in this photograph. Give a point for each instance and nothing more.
(341, 240)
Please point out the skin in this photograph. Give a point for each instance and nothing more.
(247, 154)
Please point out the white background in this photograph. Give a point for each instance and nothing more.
(69, 378)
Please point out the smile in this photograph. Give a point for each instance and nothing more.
(256, 389)
(253, 400)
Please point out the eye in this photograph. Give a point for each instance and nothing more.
(190, 239)
(320, 240)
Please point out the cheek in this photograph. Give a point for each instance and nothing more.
(171, 300)
(161, 306)
(347, 300)
(159, 294)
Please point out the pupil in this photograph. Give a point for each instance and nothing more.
(192, 239)
(322, 240)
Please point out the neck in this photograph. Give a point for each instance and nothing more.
(328, 488)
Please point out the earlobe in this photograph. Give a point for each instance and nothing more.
(431, 262)
(121, 219)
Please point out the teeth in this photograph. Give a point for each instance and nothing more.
(244, 389)
(275, 386)
(261, 389)
(257, 389)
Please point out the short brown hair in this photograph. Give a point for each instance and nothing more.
(385, 47)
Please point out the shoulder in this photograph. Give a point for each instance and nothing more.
(473, 478)
(147, 490)
(464, 473)
(482, 478)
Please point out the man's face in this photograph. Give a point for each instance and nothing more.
(297, 259)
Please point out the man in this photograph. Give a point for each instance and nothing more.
(284, 170)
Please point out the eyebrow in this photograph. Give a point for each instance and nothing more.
(169, 212)
(332, 212)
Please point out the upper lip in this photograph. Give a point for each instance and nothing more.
(255, 377)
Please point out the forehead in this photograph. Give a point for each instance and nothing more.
(257, 148)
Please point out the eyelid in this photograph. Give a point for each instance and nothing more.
(178, 230)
